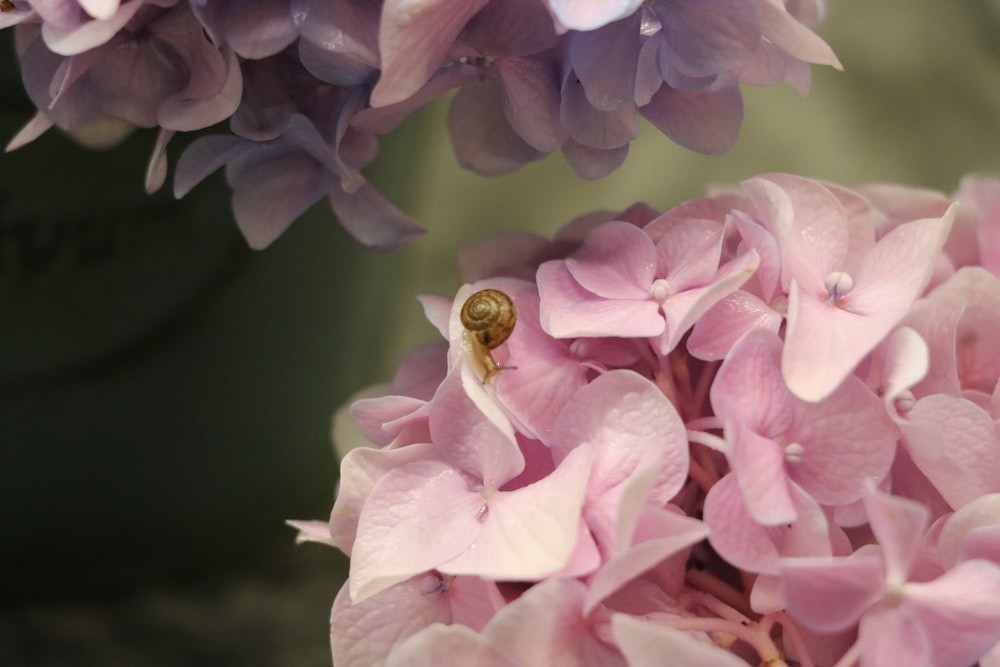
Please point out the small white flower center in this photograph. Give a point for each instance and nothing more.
(794, 452)
(659, 290)
(837, 284)
(904, 402)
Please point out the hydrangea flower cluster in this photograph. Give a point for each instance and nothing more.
(307, 86)
(759, 428)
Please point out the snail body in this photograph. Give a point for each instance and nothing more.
(488, 317)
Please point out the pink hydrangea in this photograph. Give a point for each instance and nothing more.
(759, 428)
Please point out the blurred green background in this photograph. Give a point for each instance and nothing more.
(166, 394)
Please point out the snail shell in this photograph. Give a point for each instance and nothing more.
(489, 317)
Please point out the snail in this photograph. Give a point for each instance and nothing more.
(489, 317)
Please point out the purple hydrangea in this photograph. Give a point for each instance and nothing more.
(533, 77)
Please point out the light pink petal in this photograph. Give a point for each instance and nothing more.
(890, 639)
(646, 644)
(980, 194)
(471, 433)
(809, 223)
(474, 601)
(898, 268)
(904, 361)
(568, 311)
(959, 612)
(363, 633)
(631, 425)
(718, 329)
(734, 535)
(759, 464)
(545, 626)
(312, 531)
(528, 533)
(823, 343)
(848, 440)
(983, 512)
(414, 37)
(683, 310)
(898, 525)
(616, 261)
(381, 419)
(439, 645)
(416, 517)
(830, 594)
(361, 468)
(748, 390)
(678, 533)
(955, 444)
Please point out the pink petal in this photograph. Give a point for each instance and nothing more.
(439, 645)
(416, 517)
(528, 533)
(568, 310)
(899, 525)
(616, 261)
(359, 471)
(546, 626)
(718, 329)
(959, 612)
(646, 644)
(890, 639)
(759, 464)
(480, 442)
(955, 444)
(682, 310)
(363, 633)
(983, 512)
(848, 440)
(631, 425)
(678, 533)
(830, 594)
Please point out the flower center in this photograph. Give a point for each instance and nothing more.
(837, 285)
(659, 290)
(794, 452)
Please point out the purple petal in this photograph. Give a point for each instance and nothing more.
(605, 62)
(372, 219)
(483, 139)
(703, 121)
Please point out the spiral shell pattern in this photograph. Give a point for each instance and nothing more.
(489, 315)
